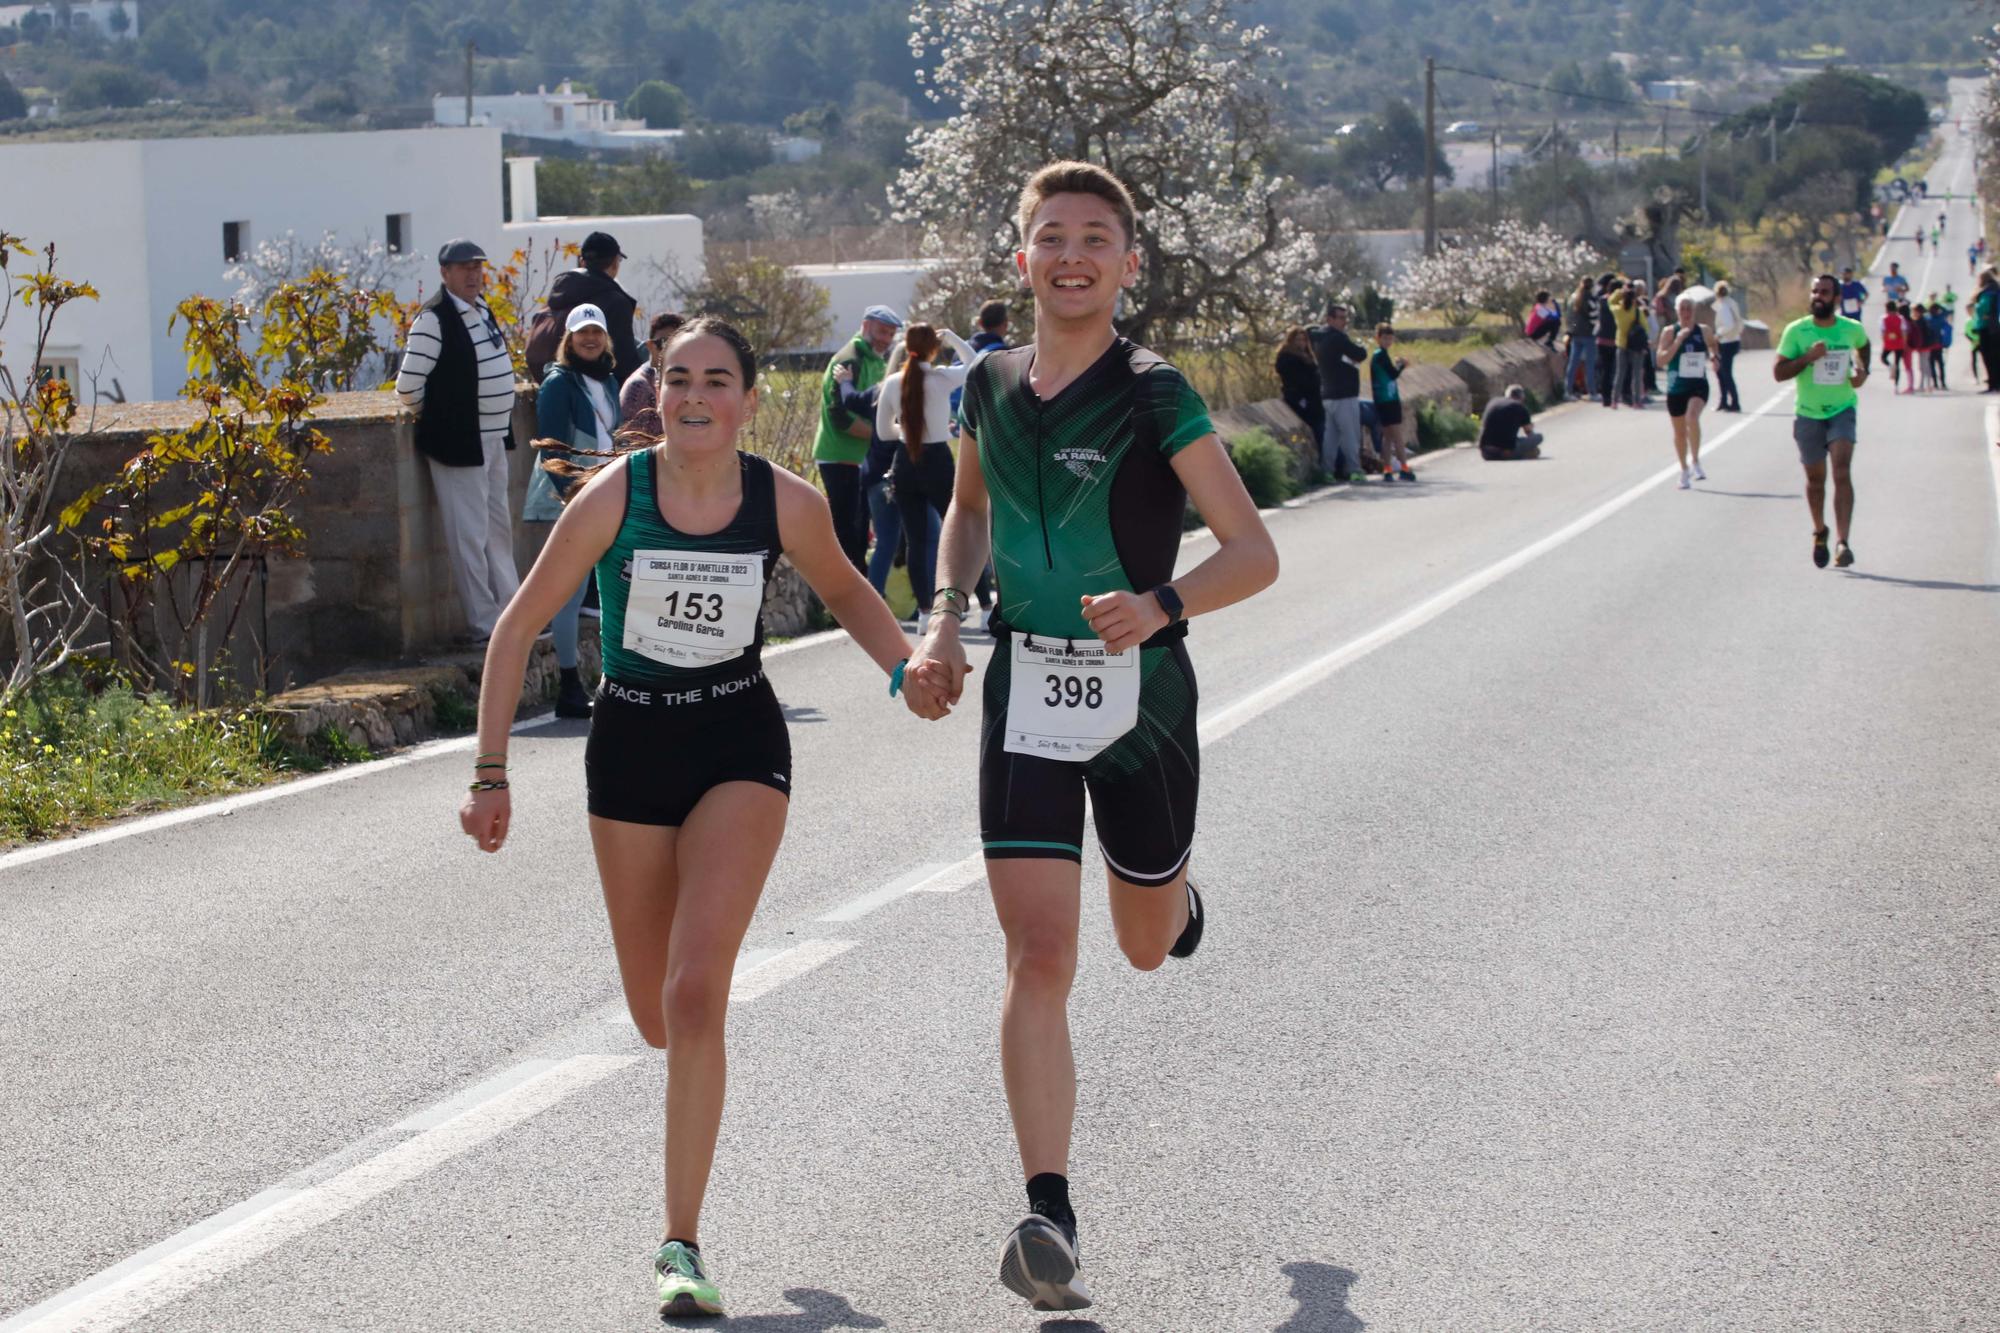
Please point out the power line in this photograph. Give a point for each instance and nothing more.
(1651, 108)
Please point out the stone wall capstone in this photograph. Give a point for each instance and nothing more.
(1488, 372)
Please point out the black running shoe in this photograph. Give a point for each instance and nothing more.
(1039, 1264)
(572, 700)
(1820, 553)
(1190, 938)
(1844, 556)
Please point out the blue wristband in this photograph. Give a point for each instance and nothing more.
(896, 678)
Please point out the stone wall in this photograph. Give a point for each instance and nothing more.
(1487, 373)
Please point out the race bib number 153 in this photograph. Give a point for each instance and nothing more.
(693, 608)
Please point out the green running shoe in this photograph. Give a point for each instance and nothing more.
(685, 1288)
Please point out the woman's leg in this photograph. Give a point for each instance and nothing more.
(1692, 429)
(1680, 440)
(914, 506)
(1620, 377)
(635, 863)
(887, 520)
(1725, 376)
(723, 855)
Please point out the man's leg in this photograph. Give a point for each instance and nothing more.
(1530, 445)
(842, 482)
(461, 493)
(1816, 494)
(1038, 902)
(1841, 454)
(1345, 422)
(1329, 452)
(503, 576)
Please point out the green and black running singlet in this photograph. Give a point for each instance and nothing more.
(1084, 500)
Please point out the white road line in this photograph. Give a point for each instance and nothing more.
(1261, 701)
(229, 805)
(786, 965)
(856, 908)
(1993, 449)
(220, 1245)
(956, 876)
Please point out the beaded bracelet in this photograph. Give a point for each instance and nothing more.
(489, 784)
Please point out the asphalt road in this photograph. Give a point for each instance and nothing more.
(1603, 937)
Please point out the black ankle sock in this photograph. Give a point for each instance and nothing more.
(569, 677)
(1048, 1194)
(690, 1244)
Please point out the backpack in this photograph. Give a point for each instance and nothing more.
(544, 336)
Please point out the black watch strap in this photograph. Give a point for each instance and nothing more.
(1170, 602)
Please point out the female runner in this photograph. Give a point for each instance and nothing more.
(688, 765)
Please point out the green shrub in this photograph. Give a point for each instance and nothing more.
(1265, 466)
(1440, 425)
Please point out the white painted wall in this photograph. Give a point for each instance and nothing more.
(669, 243)
(852, 288)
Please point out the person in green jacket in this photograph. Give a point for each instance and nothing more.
(842, 444)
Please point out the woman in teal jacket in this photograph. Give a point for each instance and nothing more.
(578, 408)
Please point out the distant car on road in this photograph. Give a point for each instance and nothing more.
(1349, 128)
(1465, 127)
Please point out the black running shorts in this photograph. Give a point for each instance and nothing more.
(1142, 788)
(1678, 399)
(655, 751)
(1389, 412)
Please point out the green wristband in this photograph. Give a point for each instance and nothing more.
(896, 678)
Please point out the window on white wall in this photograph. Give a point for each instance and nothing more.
(68, 369)
(235, 241)
(396, 231)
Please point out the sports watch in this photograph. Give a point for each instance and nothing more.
(1170, 602)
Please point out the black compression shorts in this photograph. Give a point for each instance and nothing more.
(654, 751)
(1142, 788)
(1389, 413)
(1678, 399)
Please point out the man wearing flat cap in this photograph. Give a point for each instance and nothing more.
(596, 283)
(842, 443)
(457, 377)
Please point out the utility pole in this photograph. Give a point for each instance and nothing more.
(1704, 176)
(1493, 174)
(470, 49)
(1664, 114)
(1430, 157)
(1615, 147)
(1772, 129)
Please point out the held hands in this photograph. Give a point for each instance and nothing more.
(934, 680)
(484, 817)
(1124, 619)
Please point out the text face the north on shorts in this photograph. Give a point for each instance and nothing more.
(693, 608)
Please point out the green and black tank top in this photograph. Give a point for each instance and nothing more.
(683, 608)
(1697, 346)
(1084, 498)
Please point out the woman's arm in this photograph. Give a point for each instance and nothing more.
(581, 536)
(886, 399)
(959, 345)
(1244, 564)
(805, 527)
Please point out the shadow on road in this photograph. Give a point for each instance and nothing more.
(818, 1312)
(1750, 495)
(1939, 585)
(1067, 1325)
(1321, 1291)
(807, 714)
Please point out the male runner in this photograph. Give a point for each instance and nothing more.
(1828, 355)
(1896, 287)
(1078, 455)
(1853, 294)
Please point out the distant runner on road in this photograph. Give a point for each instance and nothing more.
(1079, 455)
(1853, 294)
(688, 768)
(1895, 286)
(1828, 355)
(1685, 352)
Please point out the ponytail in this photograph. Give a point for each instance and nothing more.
(921, 342)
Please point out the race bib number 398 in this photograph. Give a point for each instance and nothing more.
(693, 608)
(1069, 699)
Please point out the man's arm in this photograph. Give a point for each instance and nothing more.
(420, 351)
(1790, 367)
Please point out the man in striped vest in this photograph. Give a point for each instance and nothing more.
(459, 379)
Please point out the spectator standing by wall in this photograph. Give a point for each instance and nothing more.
(914, 409)
(576, 421)
(1580, 322)
(1986, 310)
(596, 283)
(1339, 358)
(842, 444)
(1628, 311)
(639, 398)
(1607, 338)
(1298, 380)
(1383, 372)
(458, 377)
(993, 324)
(1728, 342)
(883, 516)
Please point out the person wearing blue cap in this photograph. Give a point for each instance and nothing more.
(842, 444)
(458, 377)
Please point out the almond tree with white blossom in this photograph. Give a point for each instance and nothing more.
(1496, 272)
(1170, 97)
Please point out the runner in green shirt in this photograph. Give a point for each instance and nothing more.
(1828, 355)
(1078, 456)
(842, 443)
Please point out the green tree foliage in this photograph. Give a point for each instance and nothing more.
(1389, 148)
(109, 86)
(169, 45)
(657, 102)
(713, 151)
(13, 106)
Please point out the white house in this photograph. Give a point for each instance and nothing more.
(100, 14)
(150, 222)
(565, 115)
(852, 288)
